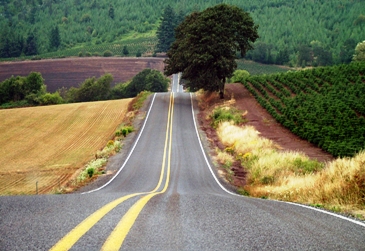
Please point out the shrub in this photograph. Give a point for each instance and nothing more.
(125, 130)
(107, 53)
(222, 114)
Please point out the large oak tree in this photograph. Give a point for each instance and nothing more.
(206, 45)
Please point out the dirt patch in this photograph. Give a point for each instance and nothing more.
(261, 120)
(70, 72)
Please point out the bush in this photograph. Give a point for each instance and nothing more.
(125, 130)
(239, 76)
(107, 53)
(50, 99)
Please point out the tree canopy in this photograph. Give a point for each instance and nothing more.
(360, 52)
(206, 45)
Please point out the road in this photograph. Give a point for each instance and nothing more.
(166, 197)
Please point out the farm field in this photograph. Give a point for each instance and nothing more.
(70, 72)
(49, 144)
(324, 105)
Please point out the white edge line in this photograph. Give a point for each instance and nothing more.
(130, 152)
(291, 203)
(205, 156)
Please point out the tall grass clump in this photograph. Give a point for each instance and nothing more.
(91, 168)
(226, 113)
(292, 176)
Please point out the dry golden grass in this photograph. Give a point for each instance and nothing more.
(338, 185)
(49, 144)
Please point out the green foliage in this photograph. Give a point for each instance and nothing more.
(91, 89)
(165, 32)
(141, 97)
(146, 80)
(201, 52)
(325, 106)
(222, 114)
(50, 99)
(257, 69)
(283, 24)
(18, 88)
(239, 76)
(124, 130)
(360, 52)
(54, 39)
(107, 53)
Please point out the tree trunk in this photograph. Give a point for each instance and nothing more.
(221, 88)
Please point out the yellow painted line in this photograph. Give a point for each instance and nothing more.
(120, 232)
(75, 234)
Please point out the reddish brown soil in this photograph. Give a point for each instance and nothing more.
(70, 72)
(262, 121)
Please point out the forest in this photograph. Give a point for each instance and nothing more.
(295, 33)
(324, 105)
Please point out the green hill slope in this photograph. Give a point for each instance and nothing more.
(324, 105)
(333, 27)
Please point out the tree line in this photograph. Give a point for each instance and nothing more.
(303, 33)
(31, 90)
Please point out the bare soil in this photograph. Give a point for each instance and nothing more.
(261, 120)
(70, 72)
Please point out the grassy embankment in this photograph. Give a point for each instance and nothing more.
(43, 148)
(338, 185)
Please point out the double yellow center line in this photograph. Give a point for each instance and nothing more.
(116, 238)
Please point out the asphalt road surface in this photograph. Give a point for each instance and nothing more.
(166, 197)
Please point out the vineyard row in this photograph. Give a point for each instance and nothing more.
(324, 105)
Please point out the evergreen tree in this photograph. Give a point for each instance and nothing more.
(55, 39)
(111, 11)
(125, 51)
(347, 51)
(282, 57)
(165, 32)
(30, 47)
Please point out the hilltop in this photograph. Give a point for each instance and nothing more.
(331, 29)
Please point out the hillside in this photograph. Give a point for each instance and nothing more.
(73, 71)
(43, 147)
(324, 105)
(332, 27)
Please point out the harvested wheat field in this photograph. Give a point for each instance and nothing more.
(47, 145)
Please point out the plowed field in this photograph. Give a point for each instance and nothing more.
(70, 72)
(47, 145)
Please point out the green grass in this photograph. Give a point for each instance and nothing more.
(257, 69)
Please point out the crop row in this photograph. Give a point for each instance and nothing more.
(325, 106)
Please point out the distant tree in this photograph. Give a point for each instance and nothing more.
(111, 11)
(261, 53)
(146, 80)
(19, 88)
(360, 52)
(54, 39)
(347, 51)
(30, 47)
(165, 32)
(206, 44)
(91, 89)
(282, 57)
(125, 51)
(304, 55)
(138, 54)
